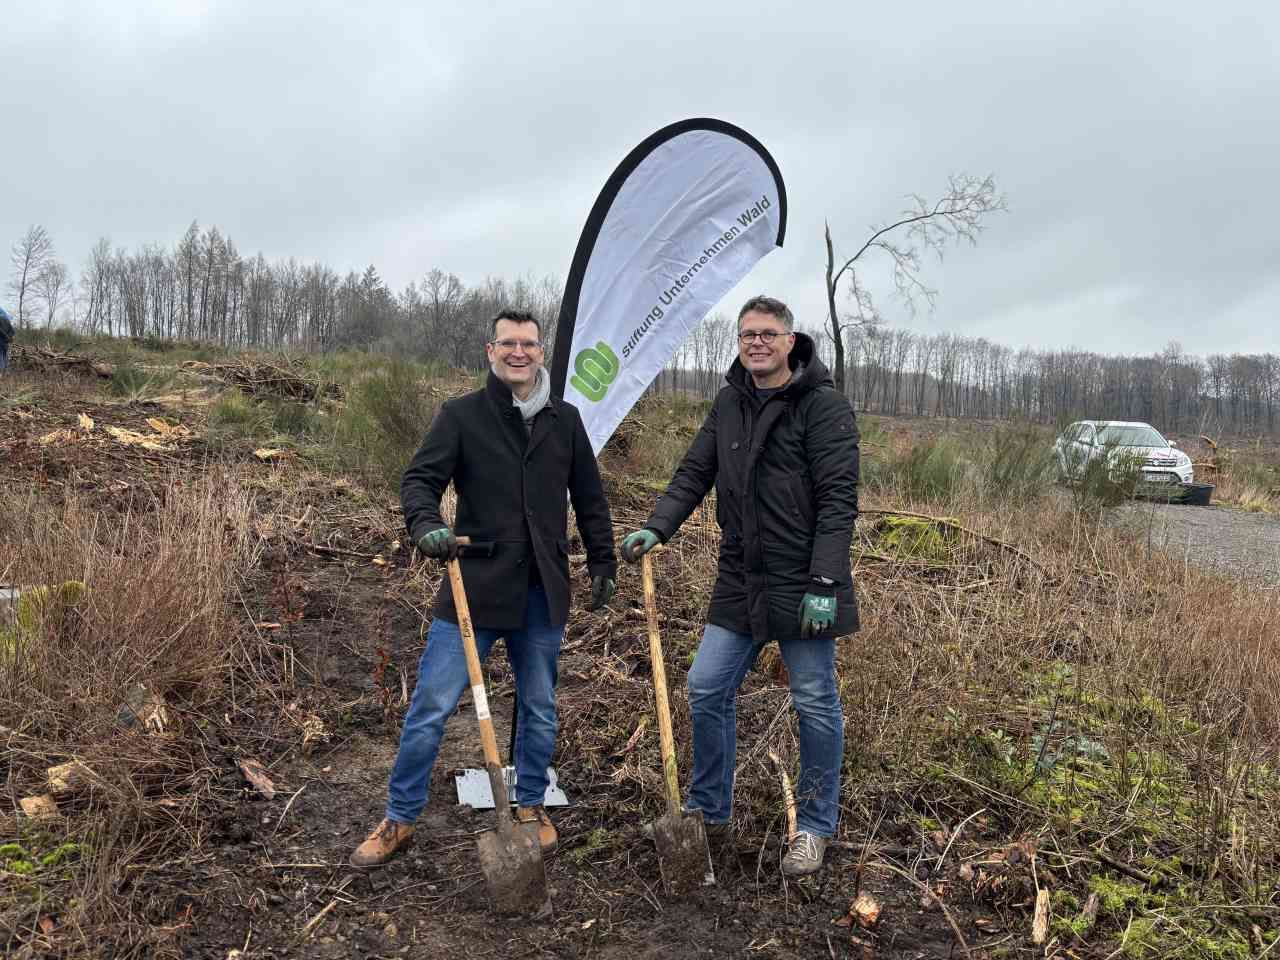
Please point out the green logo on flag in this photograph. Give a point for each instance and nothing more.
(596, 368)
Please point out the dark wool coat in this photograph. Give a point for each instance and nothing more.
(786, 481)
(511, 488)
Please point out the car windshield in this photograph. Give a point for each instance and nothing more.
(1131, 435)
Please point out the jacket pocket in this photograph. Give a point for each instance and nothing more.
(800, 502)
(478, 549)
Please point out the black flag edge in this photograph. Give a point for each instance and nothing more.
(568, 316)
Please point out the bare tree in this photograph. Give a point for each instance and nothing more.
(28, 257)
(956, 217)
(52, 285)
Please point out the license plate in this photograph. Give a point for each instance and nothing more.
(1156, 477)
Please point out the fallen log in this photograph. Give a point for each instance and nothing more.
(259, 379)
(45, 360)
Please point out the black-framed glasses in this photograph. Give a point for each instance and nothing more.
(529, 346)
(764, 336)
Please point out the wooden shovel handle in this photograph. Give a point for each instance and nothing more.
(478, 695)
(658, 668)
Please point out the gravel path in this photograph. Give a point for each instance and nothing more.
(1244, 545)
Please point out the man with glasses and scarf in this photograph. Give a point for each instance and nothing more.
(512, 452)
(780, 446)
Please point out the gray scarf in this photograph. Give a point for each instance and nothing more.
(537, 399)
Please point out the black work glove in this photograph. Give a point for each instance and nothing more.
(602, 589)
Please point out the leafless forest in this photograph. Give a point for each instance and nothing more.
(203, 289)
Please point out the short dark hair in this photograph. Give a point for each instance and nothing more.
(515, 316)
(770, 306)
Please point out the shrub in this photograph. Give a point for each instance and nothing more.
(1017, 464)
(1107, 481)
(134, 383)
(234, 415)
(932, 470)
(386, 417)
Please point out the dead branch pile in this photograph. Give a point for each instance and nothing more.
(259, 378)
(47, 361)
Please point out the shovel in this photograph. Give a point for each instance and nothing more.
(510, 856)
(683, 855)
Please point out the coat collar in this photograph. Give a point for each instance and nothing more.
(509, 420)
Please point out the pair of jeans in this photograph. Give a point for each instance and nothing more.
(534, 654)
(723, 660)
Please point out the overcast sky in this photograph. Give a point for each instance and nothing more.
(1137, 143)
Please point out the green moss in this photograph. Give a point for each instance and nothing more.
(12, 851)
(1063, 901)
(597, 840)
(1140, 941)
(60, 854)
(915, 538)
(36, 605)
(1117, 896)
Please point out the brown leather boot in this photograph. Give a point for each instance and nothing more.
(547, 836)
(381, 845)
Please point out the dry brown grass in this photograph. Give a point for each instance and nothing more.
(1076, 687)
(155, 615)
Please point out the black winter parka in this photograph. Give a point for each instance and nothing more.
(511, 489)
(786, 481)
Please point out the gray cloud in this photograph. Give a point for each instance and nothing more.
(1133, 141)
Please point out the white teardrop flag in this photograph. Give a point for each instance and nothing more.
(684, 217)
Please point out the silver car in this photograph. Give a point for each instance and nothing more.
(1141, 445)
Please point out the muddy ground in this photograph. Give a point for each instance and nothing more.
(338, 602)
(348, 633)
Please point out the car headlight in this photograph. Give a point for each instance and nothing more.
(1182, 459)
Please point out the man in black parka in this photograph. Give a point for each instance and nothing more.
(512, 452)
(780, 447)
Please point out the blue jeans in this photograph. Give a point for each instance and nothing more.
(534, 653)
(723, 661)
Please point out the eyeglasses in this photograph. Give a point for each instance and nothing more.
(529, 346)
(764, 336)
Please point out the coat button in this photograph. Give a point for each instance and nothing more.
(734, 445)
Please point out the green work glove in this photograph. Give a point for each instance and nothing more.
(439, 544)
(637, 544)
(601, 592)
(817, 613)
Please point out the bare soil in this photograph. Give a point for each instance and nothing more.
(347, 631)
(340, 603)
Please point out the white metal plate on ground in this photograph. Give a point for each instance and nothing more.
(474, 790)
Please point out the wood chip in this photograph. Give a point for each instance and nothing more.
(866, 910)
(43, 807)
(256, 774)
(67, 778)
(1040, 924)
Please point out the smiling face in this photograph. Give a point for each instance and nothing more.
(513, 355)
(764, 343)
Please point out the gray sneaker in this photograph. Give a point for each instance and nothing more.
(804, 855)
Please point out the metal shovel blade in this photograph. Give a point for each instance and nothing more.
(511, 859)
(513, 870)
(683, 855)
